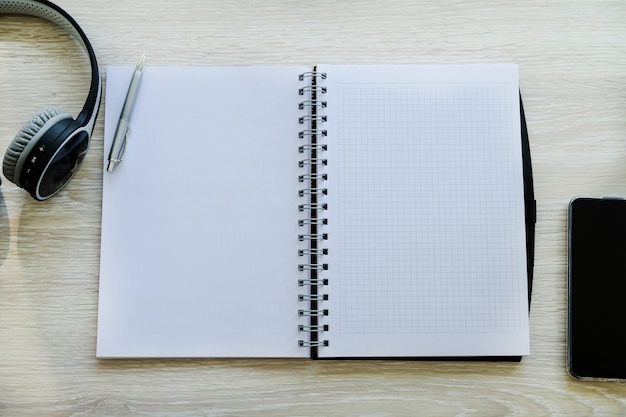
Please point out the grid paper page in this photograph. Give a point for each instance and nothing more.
(427, 243)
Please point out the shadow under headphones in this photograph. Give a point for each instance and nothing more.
(50, 148)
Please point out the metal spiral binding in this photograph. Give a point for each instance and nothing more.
(317, 237)
(313, 75)
(313, 267)
(313, 313)
(313, 344)
(302, 222)
(309, 147)
(312, 103)
(311, 133)
(311, 177)
(304, 252)
(322, 297)
(309, 282)
(322, 328)
(311, 88)
(313, 161)
(320, 118)
(310, 206)
(313, 191)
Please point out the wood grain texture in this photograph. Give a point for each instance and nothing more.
(572, 59)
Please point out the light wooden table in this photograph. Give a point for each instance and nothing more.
(572, 59)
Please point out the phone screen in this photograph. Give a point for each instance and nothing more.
(596, 331)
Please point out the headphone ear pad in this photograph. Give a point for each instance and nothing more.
(35, 128)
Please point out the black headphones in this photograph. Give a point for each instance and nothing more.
(50, 148)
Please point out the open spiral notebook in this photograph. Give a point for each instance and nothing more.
(328, 212)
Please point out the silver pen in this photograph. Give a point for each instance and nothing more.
(122, 130)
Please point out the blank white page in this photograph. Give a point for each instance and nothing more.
(426, 214)
(200, 220)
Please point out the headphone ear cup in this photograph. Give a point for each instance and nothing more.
(36, 127)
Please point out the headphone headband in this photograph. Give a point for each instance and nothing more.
(53, 13)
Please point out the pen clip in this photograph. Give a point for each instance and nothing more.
(123, 148)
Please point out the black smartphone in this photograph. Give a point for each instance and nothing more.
(596, 324)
